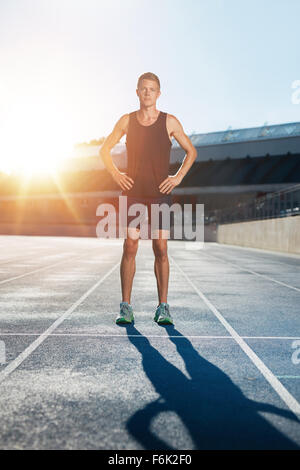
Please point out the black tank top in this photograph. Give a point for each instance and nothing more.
(148, 156)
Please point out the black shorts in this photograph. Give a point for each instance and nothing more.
(163, 222)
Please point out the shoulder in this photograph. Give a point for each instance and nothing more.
(125, 118)
(124, 121)
(172, 119)
(173, 122)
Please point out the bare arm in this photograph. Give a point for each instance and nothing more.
(114, 137)
(178, 133)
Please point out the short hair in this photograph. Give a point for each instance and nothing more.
(148, 76)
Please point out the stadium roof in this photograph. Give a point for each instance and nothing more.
(275, 139)
(265, 132)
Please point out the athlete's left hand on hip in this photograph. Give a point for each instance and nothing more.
(167, 185)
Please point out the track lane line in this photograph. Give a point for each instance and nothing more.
(262, 251)
(251, 256)
(254, 272)
(37, 252)
(153, 336)
(283, 393)
(288, 376)
(24, 355)
(41, 269)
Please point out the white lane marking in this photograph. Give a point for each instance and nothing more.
(116, 336)
(288, 376)
(153, 336)
(16, 257)
(19, 359)
(270, 337)
(23, 261)
(32, 253)
(257, 250)
(40, 269)
(254, 272)
(249, 256)
(289, 400)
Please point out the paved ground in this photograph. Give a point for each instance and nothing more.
(226, 376)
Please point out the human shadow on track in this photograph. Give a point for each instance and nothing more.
(213, 409)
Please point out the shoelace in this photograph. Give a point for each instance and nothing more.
(163, 310)
(125, 309)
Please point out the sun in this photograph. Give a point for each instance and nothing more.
(36, 138)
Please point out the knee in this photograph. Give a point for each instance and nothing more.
(160, 249)
(130, 247)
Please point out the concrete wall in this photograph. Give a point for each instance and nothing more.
(282, 234)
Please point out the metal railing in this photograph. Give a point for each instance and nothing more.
(281, 203)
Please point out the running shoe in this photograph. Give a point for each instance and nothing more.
(162, 315)
(126, 314)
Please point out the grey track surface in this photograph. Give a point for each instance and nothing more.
(75, 380)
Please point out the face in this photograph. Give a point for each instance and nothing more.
(148, 92)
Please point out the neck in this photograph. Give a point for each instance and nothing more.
(148, 112)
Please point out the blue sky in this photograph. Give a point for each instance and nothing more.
(69, 68)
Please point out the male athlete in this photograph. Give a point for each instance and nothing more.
(148, 141)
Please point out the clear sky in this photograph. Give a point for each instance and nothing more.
(69, 68)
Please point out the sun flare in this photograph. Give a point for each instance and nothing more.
(36, 139)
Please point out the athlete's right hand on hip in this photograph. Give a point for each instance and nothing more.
(123, 180)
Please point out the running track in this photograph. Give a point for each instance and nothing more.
(227, 376)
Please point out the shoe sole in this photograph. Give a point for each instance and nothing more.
(165, 322)
(124, 321)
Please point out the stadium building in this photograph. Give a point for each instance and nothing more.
(232, 167)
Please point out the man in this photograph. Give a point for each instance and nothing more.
(148, 141)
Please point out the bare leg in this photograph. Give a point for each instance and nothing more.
(161, 268)
(127, 267)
